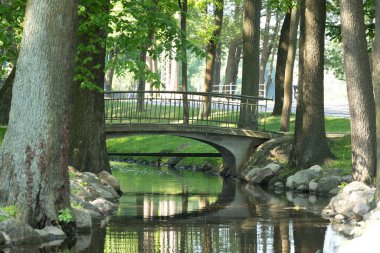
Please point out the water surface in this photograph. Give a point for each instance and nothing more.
(182, 211)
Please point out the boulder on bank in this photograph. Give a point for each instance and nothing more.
(301, 179)
(51, 233)
(112, 181)
(262, 176)
(18, 233)
(83, 219)
(327, 184)
(106, 207)
(353, 202)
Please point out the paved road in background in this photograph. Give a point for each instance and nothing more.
(332, 110)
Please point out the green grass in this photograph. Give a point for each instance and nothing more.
(333, 124)
(163, 143)
(341, 148)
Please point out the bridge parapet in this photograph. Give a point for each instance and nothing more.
(186, 108)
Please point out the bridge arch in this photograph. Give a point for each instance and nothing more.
(234, 145)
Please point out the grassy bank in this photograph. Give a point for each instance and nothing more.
(164, 143)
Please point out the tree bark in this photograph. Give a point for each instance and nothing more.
(33, 157)
(265, 54)
(288, 81)
(251, 61)
(141, 83)
(311, 146)
(211, 58)
(186, 114)
(359, 91)
(230, 66)
(376, 88)
(88, 151)
(6, 97)
(282, 54)
(273, 52)
(217, 68)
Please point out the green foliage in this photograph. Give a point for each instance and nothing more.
(65, 216)
(11, 26)
(342, 185)
(76, 205)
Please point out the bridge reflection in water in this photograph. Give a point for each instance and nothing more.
(241, 219)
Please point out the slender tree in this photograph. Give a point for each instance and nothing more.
(183, 7)
(88, 150)
(266, 46)
(211, 57)
(282, 54)
(359, 91)
(251, 60)
(33, 157)
(310, 146)
(288, 82)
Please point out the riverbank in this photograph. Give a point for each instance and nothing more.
(93, 198)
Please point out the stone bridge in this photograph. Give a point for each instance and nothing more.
(234, 125)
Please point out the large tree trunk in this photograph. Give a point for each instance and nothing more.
(33, 157)
(359, 91)
(251, 61)
(6, 97)
(282, 54)
(311, 147)
(288, 82)
(88, 150)
(265, 54)
(211, 58)
(376, 88)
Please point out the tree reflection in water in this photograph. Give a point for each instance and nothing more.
(240, 219)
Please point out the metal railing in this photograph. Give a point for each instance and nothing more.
(167, 107)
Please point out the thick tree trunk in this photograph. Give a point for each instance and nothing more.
(288, 82)
(311, 147)
(88, 150)
(265, 54)
(6, 97)
(211, 58)
(359, 91)
(376, 88)
(251, 61)
(282, 54)
(33, 157)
